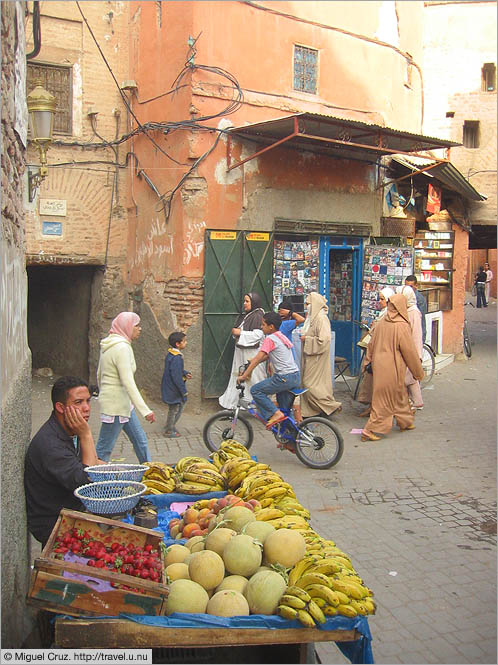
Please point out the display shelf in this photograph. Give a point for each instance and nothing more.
(434, 263)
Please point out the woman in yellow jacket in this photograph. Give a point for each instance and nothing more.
(118, 393)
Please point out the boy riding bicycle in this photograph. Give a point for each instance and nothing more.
(278, 349)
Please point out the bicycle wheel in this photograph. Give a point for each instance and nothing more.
(467, 347)
(428, 363)
(219, 428)
(319, 443)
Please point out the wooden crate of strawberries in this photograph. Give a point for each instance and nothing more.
(95, 566)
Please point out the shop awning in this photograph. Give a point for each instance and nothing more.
(447, 174)
(330, 135)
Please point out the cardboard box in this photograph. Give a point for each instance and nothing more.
(78, 590)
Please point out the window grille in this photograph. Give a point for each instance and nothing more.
(58, 81)
(305, 69)
(488, 77)
(471, 134)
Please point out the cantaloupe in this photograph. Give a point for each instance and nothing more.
(284, 546)
(227, 603)
(218, 538)
(176, 554)
(233, 583)
(186, 596)
(196, 543)
(242, 555)
(264, 590)
(259, 530)
(207, 569)
(236, 518)
(177, 571)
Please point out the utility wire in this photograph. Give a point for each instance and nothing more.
(123, 96)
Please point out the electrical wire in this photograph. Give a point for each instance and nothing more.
(123, 96)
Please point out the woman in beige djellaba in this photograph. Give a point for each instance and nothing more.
(391, 350)
(316, 373)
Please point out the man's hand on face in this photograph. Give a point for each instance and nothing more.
(75, 421)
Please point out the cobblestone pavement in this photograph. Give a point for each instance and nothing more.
(416, 511)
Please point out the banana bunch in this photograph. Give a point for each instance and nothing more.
(290, 506)
(228, 449)
(288, 522)
(296, 603)
(236, 469)
(327, 575)
(159, 478)
(197, 475)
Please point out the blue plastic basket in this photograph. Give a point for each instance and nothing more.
(116, 472)
(110, 496)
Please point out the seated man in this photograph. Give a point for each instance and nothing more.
(57, 456)
(285, 377)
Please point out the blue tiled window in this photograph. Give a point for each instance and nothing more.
(305, 69)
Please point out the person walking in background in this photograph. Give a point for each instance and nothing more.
(480, 284)
(366, 385)
(118, 393)
(411, 280)
(248, 336)
(316, 373)
(173, 388)
(489, 277)
(415, 319)
(391, 351)
(290, 318)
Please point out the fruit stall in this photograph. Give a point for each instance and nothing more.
(231, 563)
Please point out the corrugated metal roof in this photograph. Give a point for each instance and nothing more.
(339, 137)
(445, 172)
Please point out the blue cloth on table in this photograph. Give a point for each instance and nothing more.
(359, 651)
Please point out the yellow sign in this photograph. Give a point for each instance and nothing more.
(258, 236)
(223, 235)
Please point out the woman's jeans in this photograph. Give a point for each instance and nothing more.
(278, 385)
(174, 413)
(109, 432)
(481, 294)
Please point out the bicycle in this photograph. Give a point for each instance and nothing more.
(315, 441)
(467, 343)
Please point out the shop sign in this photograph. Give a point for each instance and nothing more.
(265, 237)
(52, 228)
(223, 235)
(53, 207)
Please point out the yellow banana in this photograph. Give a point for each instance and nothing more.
(235, 481)
(343, 598)
(299, 593)
(305, 618)
(316, 612)
(199, 478)
(347, 611)
(292, 601)
(329, 611)
(152, 490)
(327, 567)
(201, 503)
(370, 605)
(162, 486)
(313, 578)
(360, 607)
(269, 514)
(300, 569)
(317, 591)
(266, 503)
(287, 612)
(320, 601)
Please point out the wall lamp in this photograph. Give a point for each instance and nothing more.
(41, 111)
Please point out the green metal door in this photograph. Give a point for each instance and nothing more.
(236, 262)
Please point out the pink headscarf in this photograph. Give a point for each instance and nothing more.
(124, 323)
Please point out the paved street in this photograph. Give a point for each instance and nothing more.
(416, 511)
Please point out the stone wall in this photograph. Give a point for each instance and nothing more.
(15, 360)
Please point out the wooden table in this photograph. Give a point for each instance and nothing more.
(122, 633)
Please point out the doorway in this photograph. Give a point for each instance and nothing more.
(59, 306)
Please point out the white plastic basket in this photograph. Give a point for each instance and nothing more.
(110, 497)
(101, 472)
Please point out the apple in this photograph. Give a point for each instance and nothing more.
(190, 516)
